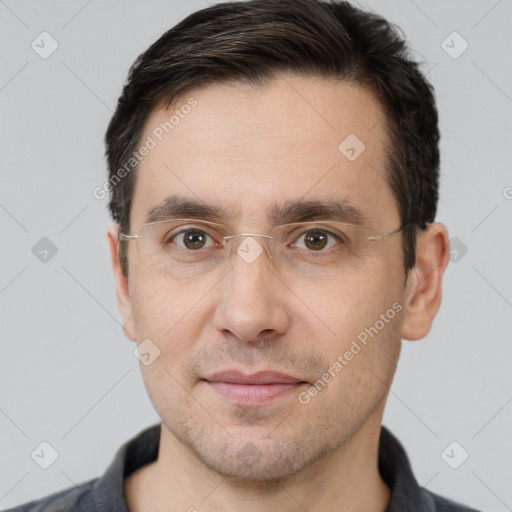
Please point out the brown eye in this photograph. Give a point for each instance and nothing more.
(192, 239)
(315, 240)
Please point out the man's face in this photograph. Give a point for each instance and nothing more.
(243, 149)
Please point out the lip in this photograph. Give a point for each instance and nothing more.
(254, 389)
(264, 377)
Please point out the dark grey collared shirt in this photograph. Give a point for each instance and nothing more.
(106, 494)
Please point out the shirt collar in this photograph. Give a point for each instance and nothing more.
(135, 453)
(395, 470)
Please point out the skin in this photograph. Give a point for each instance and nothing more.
(245, 147)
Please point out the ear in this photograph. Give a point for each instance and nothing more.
(122, 289)
(423, 295)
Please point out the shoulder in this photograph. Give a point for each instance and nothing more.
(73, 499)
(440, 504)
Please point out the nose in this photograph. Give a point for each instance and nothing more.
(253, 304)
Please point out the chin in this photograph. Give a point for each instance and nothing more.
(260, 459)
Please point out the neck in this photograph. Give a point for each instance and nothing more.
(345, 479)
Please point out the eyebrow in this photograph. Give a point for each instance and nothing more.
(176, 206)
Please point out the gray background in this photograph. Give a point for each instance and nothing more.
(68, 375)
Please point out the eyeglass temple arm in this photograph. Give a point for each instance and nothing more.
(122, 236)
(387, 235)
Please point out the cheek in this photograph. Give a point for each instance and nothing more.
(167, 312)
(363, 359)
(348, 304)
(359, 321)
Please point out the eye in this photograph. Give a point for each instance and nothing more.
(190, 239)
(318, 240)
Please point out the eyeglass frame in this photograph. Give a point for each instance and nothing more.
(126, 237)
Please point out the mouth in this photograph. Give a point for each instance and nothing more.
(254, 389)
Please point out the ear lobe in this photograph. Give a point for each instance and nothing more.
(424, 284)
(122, 288)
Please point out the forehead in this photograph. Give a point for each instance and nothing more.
(246, 148)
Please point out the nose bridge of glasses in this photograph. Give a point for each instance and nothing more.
(247, 247)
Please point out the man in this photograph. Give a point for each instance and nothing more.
(274, 182)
